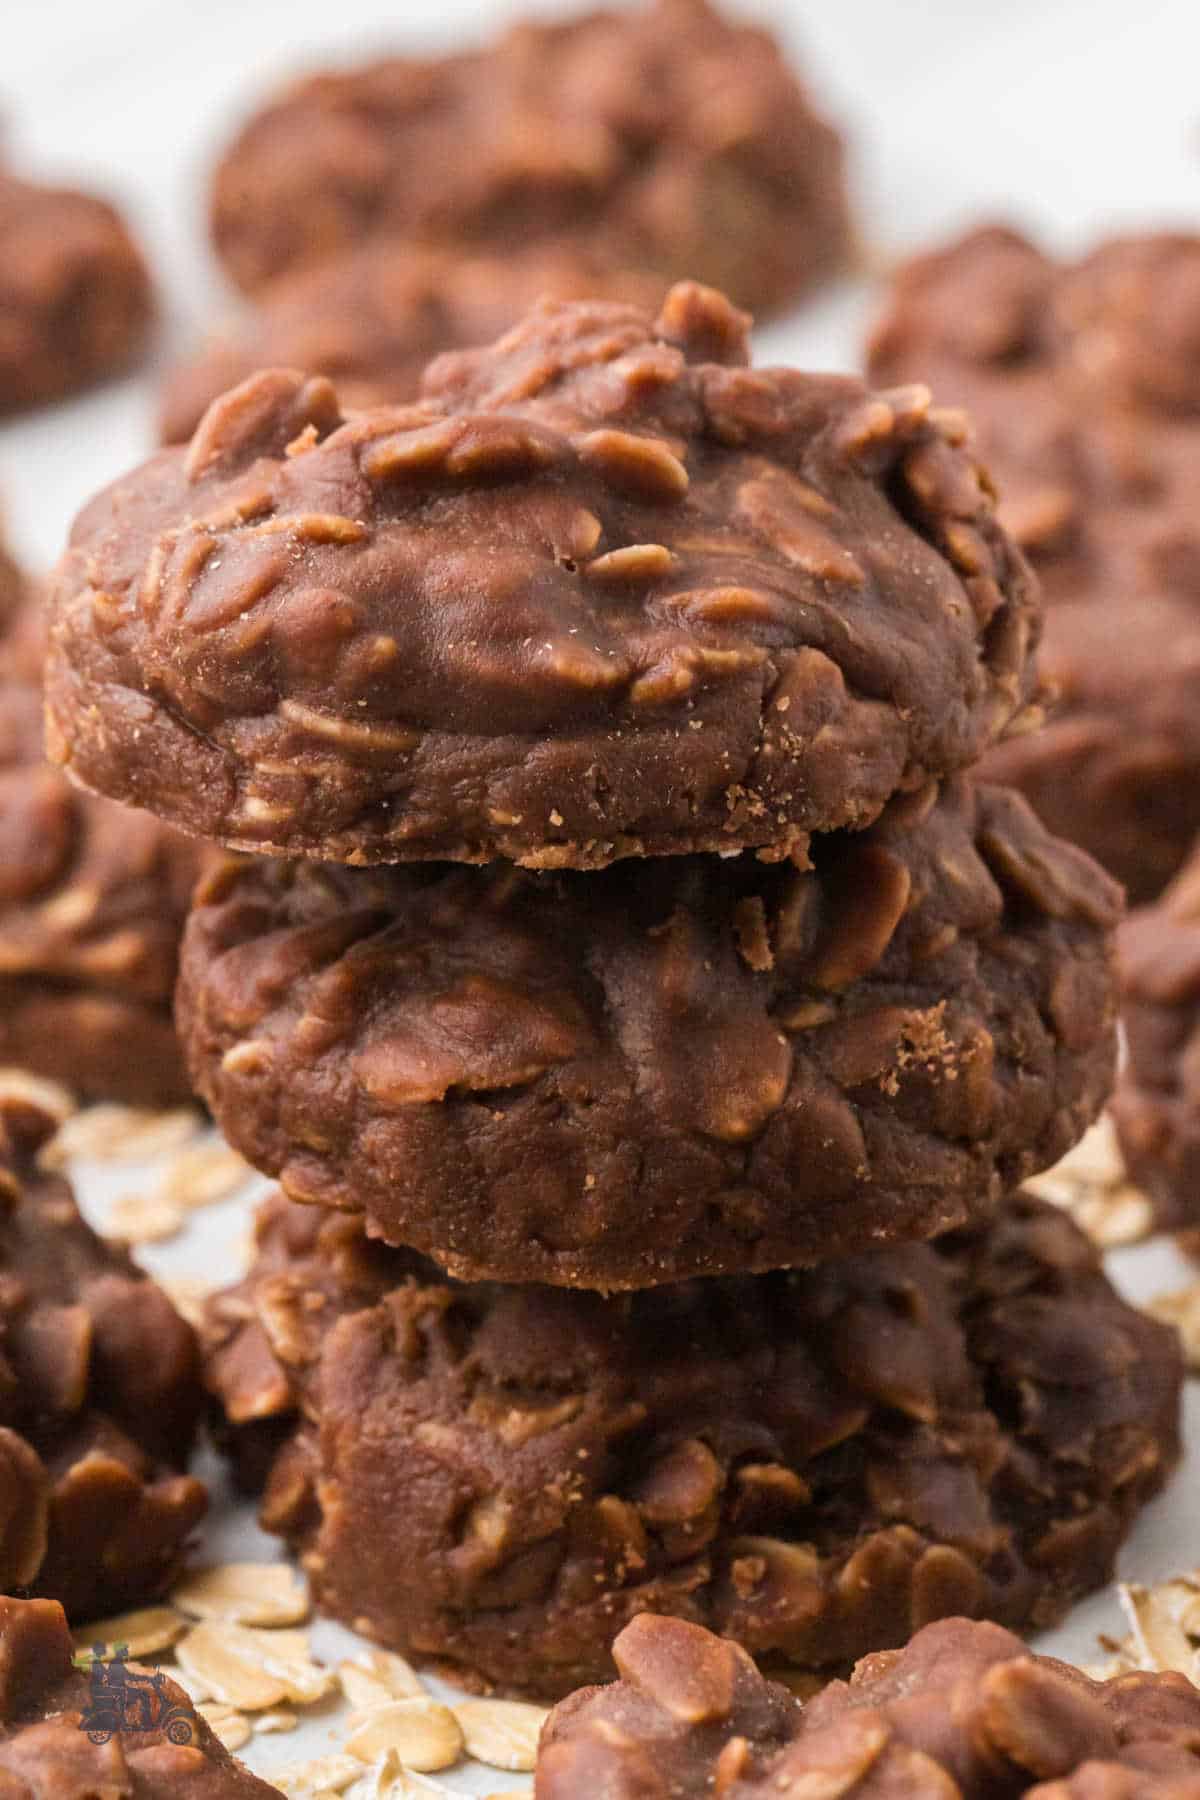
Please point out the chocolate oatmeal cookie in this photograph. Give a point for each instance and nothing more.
(665, 137)
(76, 302)
(72, 1734)
(964, 1712)
(1157, 1103)
(92, 903)
(813, 1463)
(678, 1066)
(99, 1400)
(605, 592)
(1083, 382)
(372, 320)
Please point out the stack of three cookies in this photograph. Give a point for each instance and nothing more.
(628, 950)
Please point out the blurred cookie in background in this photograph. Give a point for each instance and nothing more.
(373, 319)
(1082, 380)
(1157, 1102)
(92, 902)
(76, 300)
(666, 138)
(100, 1401)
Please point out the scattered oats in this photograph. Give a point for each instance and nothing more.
(1114, 1220)
(1122, 1658)
(239, 1256)
(1165, 1623)
(282, 1720)
(321, 1775)
(146, 1632)
(195, 1689)
(286, 1654)
(143, 1219)
(376, 1677)
(1108, 1671)
(388, 1779)
(227, 1672)
(1096, 1160)
(124, 1133)
(245, 1593)
(1091, 1185)
(1182, 1309)
(187, 1294)
(232, 1727)
(423, 1733)
(362, 1690)
(251, 1669)
(204, 1174)
(501, 1733)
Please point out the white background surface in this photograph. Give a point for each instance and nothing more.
(1070, 115)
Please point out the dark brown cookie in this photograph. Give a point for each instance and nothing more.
(1157, 1103)
(666, 138)
(75, 297)
(1083, 383)
(964, 1712)
(678, 1066)
(92, 902)
(815, 1464)
(598, 596)
(69, 1733)
(99, 1401)
(372, 320)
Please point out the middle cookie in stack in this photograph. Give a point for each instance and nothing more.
(604, 603)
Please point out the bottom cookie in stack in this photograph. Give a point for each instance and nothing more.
(814, 1463)
(963, 1712)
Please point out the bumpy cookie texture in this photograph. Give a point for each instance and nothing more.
(1157, 1103)
(964, 1712)
(814, 1464)
(678, 1066)
(99, 1401)
(372, 320)
(663, 137)
(92, 902)
(66, 1735)
(1083, 383)
(605, 592)
(76, 302)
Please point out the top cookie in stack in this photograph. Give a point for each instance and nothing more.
(605, 591)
